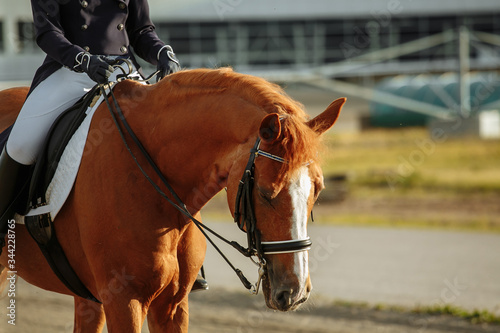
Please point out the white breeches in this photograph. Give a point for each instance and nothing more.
(42, 107)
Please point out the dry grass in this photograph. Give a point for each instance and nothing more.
(403, 177)
(410, 155)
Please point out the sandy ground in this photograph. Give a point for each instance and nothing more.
(223, 310)
(373, 265)
(243, 313)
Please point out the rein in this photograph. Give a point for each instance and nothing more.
(244, 210)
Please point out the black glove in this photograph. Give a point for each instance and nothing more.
(167, 62)
(97, 67)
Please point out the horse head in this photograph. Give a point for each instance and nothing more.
(286, 180)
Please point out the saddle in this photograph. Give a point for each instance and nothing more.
(32, 202)
(59, 135)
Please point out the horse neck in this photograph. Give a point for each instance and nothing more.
(196, 141)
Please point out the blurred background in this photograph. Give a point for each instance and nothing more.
(412, 169)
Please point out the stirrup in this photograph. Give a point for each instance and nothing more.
(200, 284)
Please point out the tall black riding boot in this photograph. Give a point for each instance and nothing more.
(13, 177)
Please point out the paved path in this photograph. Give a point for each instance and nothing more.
(405, 267)
(398, 267)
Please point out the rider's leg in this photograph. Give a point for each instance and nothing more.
(42, 107)
(45, 103)
(13, 175)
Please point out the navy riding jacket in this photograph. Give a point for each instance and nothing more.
(65, 28)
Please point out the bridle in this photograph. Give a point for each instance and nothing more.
(244, 214)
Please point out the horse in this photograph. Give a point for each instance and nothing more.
(139, 255)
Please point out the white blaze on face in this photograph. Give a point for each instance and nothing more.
(300, 190)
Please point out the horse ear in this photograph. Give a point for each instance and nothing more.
(270, 128)
(324, 121)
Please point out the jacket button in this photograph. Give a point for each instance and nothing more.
(120, 27)
(86, 48)
(123, 49)
(122, 5)
(84, 4)
(84, 27)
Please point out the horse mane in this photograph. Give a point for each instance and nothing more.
(299, 143)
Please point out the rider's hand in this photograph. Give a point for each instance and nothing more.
(97, 67)
(167, 62)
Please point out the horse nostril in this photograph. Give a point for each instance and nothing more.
(284, 299)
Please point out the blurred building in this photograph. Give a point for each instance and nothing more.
(287, 34)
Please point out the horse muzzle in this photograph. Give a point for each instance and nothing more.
(284, 290)
(285, 298)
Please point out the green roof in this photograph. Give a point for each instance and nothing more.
(438, 90)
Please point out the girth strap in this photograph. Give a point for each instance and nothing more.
(41, 228)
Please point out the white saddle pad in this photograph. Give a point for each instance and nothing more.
(65, 175)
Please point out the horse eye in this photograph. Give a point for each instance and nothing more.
(264, 196)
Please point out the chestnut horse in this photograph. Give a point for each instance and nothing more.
(135, 252)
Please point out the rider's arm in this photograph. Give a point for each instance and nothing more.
(141, 32)
(50, 34)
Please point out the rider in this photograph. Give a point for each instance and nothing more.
(81, 39)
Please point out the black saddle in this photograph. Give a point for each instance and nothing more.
(41, 226)
(59, 135)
